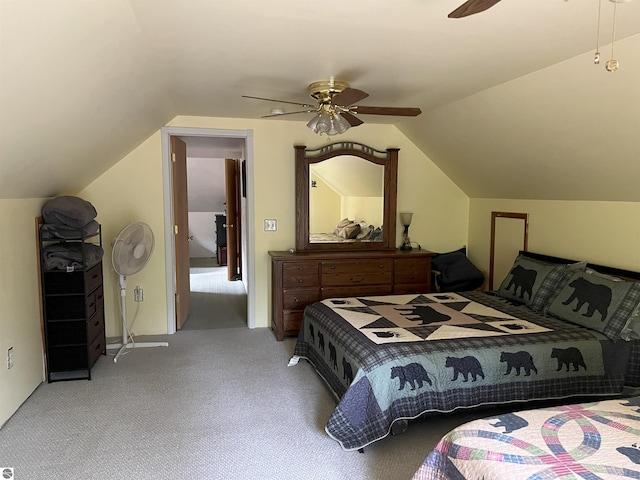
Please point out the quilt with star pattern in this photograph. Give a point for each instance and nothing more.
(397, 357)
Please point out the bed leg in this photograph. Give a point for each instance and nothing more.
(399, 426)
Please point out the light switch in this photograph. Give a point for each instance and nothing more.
(270, 224)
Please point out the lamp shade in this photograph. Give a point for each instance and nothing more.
(329, 123)
(405, 219)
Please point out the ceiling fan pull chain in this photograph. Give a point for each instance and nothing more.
(612, 64)
(596, 56)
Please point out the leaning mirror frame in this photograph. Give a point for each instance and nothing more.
(305, 157)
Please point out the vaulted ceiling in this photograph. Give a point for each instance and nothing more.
(513, 106)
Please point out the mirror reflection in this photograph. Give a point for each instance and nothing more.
(346, 200)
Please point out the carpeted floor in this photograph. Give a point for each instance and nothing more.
(216, 302)
(215, 404)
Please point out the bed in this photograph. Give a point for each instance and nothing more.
(349, 231)
(394, 358)
(587, 440)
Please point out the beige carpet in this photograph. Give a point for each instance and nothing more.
(216, 302)
(214, 404)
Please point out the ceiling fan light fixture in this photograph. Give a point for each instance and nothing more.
(328, 123)
(340, 124)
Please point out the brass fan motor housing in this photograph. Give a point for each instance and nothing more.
(323, 91)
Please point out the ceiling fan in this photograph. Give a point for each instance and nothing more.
(471, 7)
(335, 110)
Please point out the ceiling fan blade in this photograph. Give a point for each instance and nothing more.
(399, 111)
(471, 7)
(287, 113)
(279, 101)
(348, 96)
(352, 119)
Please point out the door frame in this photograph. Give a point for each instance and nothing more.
(170, 260)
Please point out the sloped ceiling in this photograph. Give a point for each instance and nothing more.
(513, 106)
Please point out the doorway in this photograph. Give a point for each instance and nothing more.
(219, 299)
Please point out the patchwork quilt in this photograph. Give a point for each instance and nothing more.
(588, 441)
(396, 357)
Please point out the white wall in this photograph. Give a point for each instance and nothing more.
(202, 227)
(607, 233)
(20, 325)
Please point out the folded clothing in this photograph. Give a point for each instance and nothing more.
(53, 231)
(68, 210)
(71, 256)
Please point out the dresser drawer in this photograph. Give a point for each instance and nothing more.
(405, 288)
(99, 298)
(412, 270)
(291, 322)
(93, 277)
(357, 272)
(359, 291)
(97, 347)
(299, 298)
(95, 325)
(300, 274)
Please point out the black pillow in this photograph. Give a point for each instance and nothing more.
(455, 267)
(534, 282)
(67, 210)
(596, 302)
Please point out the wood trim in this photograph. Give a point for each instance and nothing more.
(494, 216)
(39, 221)
(305, 157)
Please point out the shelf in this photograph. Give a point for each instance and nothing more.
(72, 306)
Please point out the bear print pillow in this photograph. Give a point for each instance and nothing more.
(533, 282)
(596, 302)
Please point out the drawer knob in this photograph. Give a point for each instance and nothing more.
(357, 279)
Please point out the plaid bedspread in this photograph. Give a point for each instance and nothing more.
(397, 357)
(589, 440)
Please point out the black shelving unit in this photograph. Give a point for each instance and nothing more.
(73, 313)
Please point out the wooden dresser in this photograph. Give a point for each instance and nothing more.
(299, 279)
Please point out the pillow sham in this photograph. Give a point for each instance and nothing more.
(534, 282)
(601, 304)
(68, 210)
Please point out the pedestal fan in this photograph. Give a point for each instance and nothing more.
(132, 249)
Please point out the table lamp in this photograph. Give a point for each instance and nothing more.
(405, 219)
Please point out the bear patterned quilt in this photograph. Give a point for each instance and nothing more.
(396, 357)
(590, 440)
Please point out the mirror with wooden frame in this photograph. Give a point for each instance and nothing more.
(346, 197)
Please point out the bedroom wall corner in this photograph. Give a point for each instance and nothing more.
(607, 233)
(440, 207)
(131, 191)
(19, 304)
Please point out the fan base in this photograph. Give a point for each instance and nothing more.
(123, 348)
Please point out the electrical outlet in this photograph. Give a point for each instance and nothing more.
(138, 294)
(270, 224)
(10, 358)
